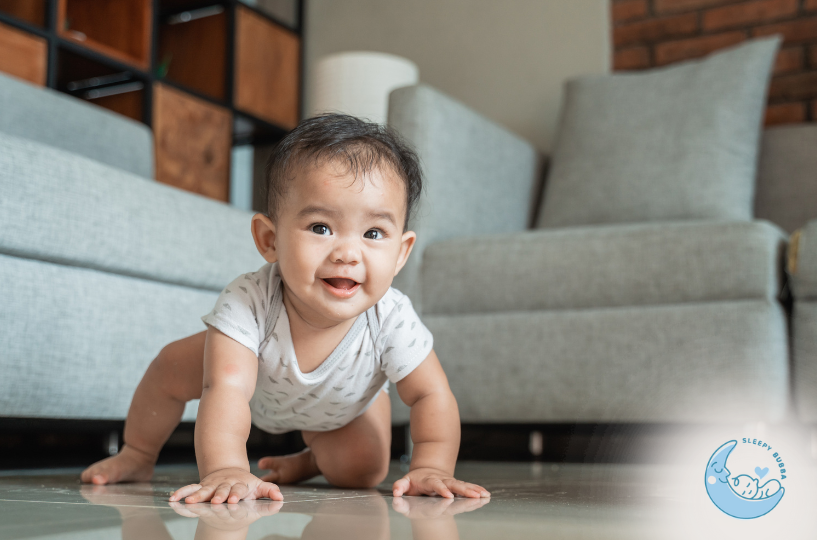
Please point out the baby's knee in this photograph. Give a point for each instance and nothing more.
(362, 469)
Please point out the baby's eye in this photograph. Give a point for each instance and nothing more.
(320, 229)
(373, 234)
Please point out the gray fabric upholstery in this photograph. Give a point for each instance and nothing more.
(61, 207)
(76, 341)
(708, 362)
(804, 279)
(674, 143)
(787, 176)
(62, 121)
(804, 356)
(595, 267)
(479, 177)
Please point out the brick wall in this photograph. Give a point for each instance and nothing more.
(651, 33)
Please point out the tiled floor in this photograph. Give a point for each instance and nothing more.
(528, 501)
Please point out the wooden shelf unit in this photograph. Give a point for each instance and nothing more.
(23, 55)
(119, 29)
(29, 11)
(205, 75)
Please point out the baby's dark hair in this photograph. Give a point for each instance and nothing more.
(359, 145)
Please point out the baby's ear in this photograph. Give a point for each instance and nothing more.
(406, 245)
(263, 232)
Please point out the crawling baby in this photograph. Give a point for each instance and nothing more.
(310, 340)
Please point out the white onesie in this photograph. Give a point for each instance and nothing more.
(384, 344)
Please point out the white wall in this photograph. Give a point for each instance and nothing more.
(505, 58)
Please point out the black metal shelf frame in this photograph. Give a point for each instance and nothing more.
(267, 132)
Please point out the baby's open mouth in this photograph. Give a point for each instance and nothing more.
(341, 283)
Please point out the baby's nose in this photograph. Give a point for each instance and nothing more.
(346, 252)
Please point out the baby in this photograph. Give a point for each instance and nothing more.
(746, 486)
(310, 341)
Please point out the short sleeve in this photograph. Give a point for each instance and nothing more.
(241, 308)
(404, 340)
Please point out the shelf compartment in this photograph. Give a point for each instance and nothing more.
(119, 29)
(193, 141)
(23, 55)
(283, 11)
(30, 11)
(267, 69)
(120, 91)
(193, 50)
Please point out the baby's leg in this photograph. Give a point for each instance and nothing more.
(171, 380)
(354, 456)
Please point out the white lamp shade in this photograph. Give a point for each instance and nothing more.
(359, 83)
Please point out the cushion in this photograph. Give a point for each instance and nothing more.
(47, 116)
(674, 143)
(76, 341)
(712, 362)
(61, 207)
(804, 359)
(787, 176)
(802, 262)
(596, 267)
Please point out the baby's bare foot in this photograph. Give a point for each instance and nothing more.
(129, 465)
(290, 469)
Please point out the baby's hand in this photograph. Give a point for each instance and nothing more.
(228, 485)
(433, 482)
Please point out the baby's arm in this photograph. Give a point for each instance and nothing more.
(223, 425)
(435, 430)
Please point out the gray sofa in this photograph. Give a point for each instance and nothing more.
(677, 321)
(100, 265)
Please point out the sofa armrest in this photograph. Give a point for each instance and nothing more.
(802, 262)
(479, 177)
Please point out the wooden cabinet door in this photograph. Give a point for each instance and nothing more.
(22, 55)
(267, 69)
(193, 140)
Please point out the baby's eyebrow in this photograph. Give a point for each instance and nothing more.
(388, 216)
(309, 210)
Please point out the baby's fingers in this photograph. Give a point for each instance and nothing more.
(237, 492)
(400, 487)
(467, 490)
(184, 492)
(268, 490)
(202, 495)
(438, 487)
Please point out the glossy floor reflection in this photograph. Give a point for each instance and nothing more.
(528, 501)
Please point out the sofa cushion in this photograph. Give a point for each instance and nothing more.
(594, 267)
(787, 176)
(76, 342)
(804, 359)
(802, 262)
(674, 143)
(711, 362)
(62, 121)
(61, 207)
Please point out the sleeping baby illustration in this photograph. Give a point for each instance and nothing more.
(747, 487)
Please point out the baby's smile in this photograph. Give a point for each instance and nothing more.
(341, 287)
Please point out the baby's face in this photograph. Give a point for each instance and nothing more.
(339, 241)
(745, 485)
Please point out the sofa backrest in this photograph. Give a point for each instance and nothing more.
(50, 117)
(786, 191)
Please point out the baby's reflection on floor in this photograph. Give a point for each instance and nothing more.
(357, 517)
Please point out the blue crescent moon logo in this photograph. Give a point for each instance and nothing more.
(720, 489)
